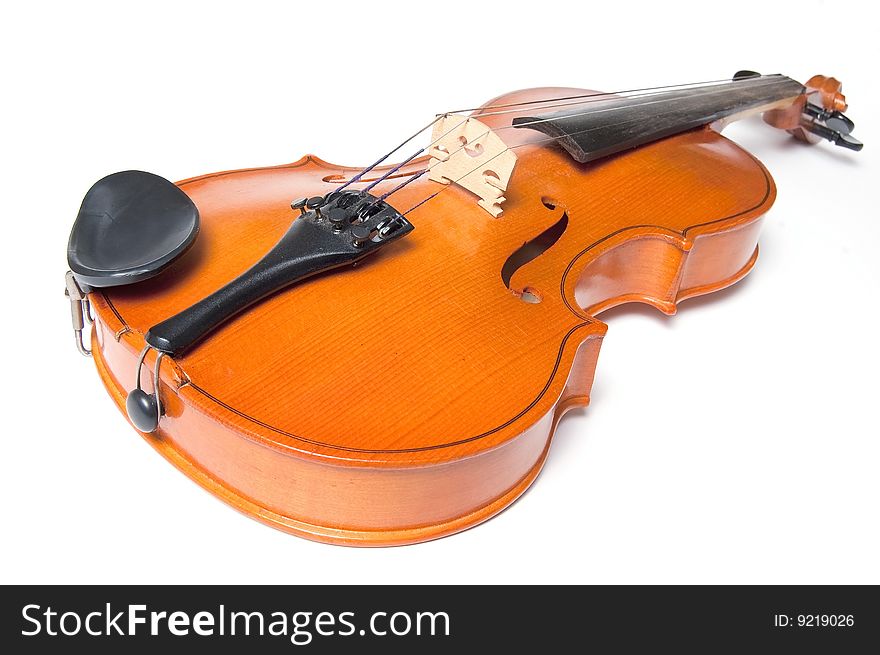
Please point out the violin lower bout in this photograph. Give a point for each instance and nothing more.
(340, 501)
(383, 503)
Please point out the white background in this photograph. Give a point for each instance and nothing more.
(734, 442)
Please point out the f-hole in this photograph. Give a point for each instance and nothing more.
(533, 248)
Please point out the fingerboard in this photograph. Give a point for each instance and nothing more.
(603, 127)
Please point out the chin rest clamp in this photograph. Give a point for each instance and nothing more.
(80, 311)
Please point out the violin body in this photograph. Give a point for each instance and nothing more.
(416, 394)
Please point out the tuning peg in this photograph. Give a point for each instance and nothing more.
(848, 141)
(835, 120)
(837, 138)
(839, 123)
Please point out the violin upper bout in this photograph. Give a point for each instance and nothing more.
(685, 225)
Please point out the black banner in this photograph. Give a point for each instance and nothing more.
(439, 619)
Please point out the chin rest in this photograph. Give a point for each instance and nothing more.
(131, 226)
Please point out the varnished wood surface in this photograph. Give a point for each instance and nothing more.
(415, 394)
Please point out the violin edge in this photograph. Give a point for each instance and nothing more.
(530, 449)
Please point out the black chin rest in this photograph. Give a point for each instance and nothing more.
(131, 225)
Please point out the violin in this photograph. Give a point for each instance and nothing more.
(379, 356)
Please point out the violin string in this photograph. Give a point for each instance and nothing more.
(392, 171)
(599, 97)
(411, 178)
(397, 167)
(615, 108)
(589, 97)
(418, 152)
(593, 94)
(592, 98)
(418, 174)
(366, 170)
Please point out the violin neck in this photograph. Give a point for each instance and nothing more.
(612, 125)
